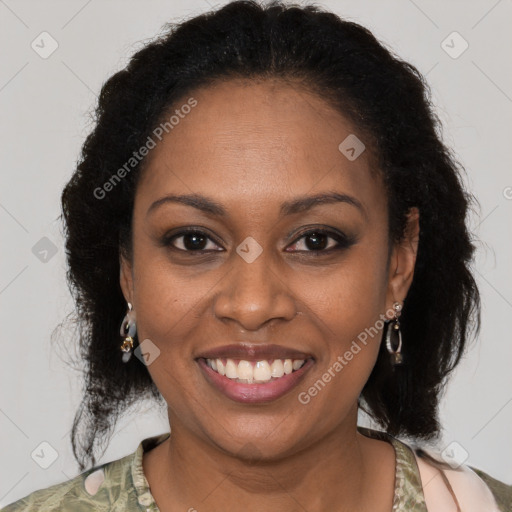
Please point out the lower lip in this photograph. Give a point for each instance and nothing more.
(255, 393)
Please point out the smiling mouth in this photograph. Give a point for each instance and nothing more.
(254, 372)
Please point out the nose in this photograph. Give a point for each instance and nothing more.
(255, 294)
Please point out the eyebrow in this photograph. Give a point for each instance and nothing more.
(297, 205)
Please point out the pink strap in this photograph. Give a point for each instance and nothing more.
(450, 490)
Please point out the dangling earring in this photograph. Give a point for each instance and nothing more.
(393, 330)
(128, 331)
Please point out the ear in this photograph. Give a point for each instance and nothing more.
(403, 260)
(126, 278)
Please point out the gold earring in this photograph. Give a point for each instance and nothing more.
(393, 330)
(128, 331)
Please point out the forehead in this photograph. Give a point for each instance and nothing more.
(258, 142)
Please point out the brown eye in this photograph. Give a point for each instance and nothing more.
(317, 240)
(190, 241)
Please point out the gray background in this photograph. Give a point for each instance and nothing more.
(44, 105)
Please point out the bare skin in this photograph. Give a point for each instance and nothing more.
(251, 147)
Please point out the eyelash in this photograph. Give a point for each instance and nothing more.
(342, 240)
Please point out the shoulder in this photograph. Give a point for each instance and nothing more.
(446, 485)
(502, 492)
(98, 488)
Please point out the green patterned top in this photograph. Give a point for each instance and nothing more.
(120, 485)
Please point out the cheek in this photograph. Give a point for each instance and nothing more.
(350, 296)
(167, 314)
(168, 304)
(349, 308)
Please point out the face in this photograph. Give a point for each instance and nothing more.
(261, 267)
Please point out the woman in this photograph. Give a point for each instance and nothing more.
(266, 207)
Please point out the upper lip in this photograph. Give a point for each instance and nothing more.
(253, 352)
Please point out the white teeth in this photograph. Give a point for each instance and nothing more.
(245, 370)
(220, 367)
(277, 368)
(260, 371)
(297, 363)
(231, 369)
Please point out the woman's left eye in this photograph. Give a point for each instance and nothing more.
(316, 240)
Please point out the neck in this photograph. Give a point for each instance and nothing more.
(195, 474)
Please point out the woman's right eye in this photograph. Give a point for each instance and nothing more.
(190, 240)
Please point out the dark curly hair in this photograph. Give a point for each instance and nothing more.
(386, 98)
